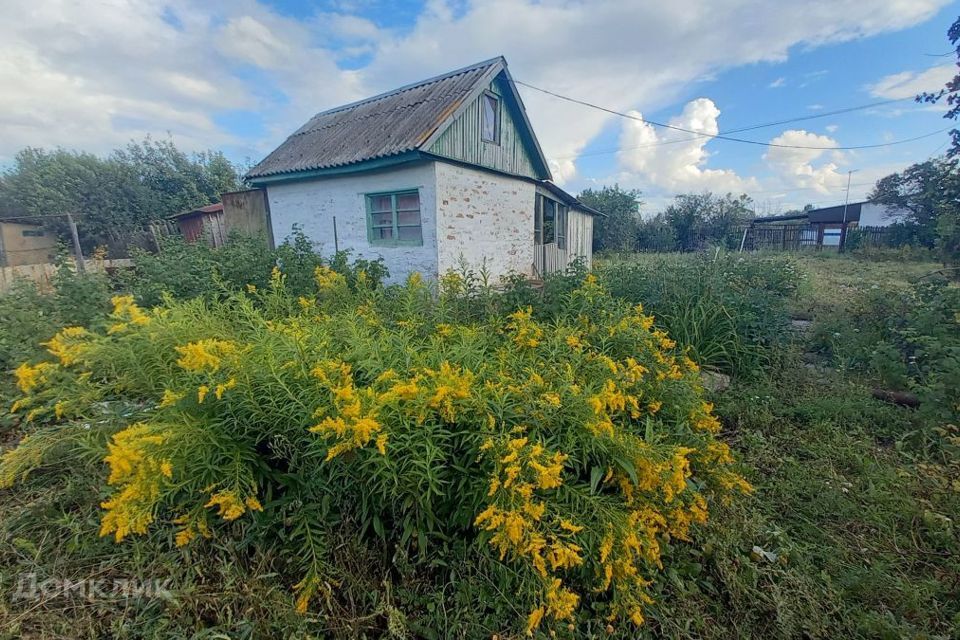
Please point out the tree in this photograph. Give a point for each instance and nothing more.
(142, 182)
(930, 194)
(951, 91)
(617, 231)
(697, 218)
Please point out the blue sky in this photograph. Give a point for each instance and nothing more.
(241, 75)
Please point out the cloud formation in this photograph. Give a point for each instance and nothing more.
(674, 160)
(908, 84)
(796, 166)
(94, 75)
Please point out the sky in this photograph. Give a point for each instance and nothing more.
(241, 75)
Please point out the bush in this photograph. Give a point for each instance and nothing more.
(376, 428)
(907, 340)
(729, 310)
(185, 270)
(29, 316)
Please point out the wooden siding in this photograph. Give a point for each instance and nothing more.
(462, 139)
(549, 258)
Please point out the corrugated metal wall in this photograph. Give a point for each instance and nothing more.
(462, 141)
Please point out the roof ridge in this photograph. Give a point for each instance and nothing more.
(413, 85)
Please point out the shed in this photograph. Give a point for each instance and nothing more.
(202, 223)
(24, 243)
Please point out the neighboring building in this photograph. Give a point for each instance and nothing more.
(827, 226)
(204, 223)
(24, 243)
(242, 212)
(430, 176)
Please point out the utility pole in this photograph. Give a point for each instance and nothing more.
(77, 251)
(846, 203)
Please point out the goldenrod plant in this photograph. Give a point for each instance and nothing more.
(573, 453)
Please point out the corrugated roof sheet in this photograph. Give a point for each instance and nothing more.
(834, 215)
(210, 208)
(381, 126)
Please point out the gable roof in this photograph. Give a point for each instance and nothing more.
(390, 124)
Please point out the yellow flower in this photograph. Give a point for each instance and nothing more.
(221, 388)
(327, 279)
(127, 312)
(228, 504)
(561, 602)
(170, 398)
(166, 469)
(382, 444)
(202, 392)
(28, 377)
(533, 620)
(252, 503)
(184, 536)
(552, 399)
(67, 345)
(205, 355)
(569, 526)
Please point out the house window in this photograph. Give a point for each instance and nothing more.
(490, 118)
(393, 219)
(550, 222)
(32, 233)
(561, 226)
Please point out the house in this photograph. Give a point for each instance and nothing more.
(827, 226)
(23, 243)
(431, 176)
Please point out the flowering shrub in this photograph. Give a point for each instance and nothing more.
(568, 453)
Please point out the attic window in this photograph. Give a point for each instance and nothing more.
(490, 118)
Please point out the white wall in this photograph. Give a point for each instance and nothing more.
(877, 215)
(484, 216)
(312, 204)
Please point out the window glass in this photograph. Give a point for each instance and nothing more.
(549, 221)
(394, 218)
(381, 203)
(561, 226)
(491, 118)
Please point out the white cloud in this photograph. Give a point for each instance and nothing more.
(795, 166)
(779, 82)
(911, 83)
(832, 128)
(675, 161)
(93, 75)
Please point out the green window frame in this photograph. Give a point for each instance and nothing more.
(394, 219)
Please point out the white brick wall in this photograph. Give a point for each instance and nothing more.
(484, 216)
(312, 204)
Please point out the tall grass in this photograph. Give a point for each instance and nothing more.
(729, 310)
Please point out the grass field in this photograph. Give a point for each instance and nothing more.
(850, 532)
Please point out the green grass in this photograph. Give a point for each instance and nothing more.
(851, 531)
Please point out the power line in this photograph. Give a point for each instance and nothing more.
(720, 136)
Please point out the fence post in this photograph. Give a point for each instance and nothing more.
(77, 251)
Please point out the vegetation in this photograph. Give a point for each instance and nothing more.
(930, 193)
(386, 513)
(616, 230)
(142, 182)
